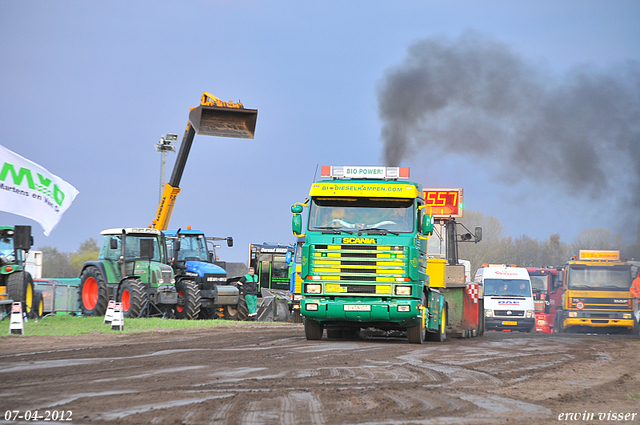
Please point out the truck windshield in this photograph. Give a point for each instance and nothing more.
(616, 278)
(540, 283)
(507, 287)
(362, 214)
(193, 248)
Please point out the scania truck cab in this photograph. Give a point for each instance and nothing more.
(364, 256)
(508, 298)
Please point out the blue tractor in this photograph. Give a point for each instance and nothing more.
(192, 259)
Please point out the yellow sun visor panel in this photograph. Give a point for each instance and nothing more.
(374, 190)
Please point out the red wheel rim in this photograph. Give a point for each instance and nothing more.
(180, 308)
(126, 300)
(90, 293)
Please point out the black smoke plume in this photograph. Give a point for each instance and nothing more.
(473, 96)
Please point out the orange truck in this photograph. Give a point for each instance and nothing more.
(597, 295)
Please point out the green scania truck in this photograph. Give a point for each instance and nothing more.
(364, 257)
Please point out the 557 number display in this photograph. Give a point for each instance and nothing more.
(443, 202)
(36, 415)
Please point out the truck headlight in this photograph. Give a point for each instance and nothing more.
(314, 289)
(573, 314)
(312, 307)
(488, 313)
(404, 308)
(626, 316)
(403, 290)
(529, 314)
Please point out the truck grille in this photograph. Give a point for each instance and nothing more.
(514, 313)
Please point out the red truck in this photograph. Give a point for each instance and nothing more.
(547, 295)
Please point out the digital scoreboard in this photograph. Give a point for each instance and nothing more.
(443, 202)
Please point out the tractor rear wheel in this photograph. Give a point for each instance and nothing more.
(92, 292)
(188, 306)
(132, 296)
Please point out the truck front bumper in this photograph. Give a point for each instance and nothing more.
(363, 310)
(511, 323)
(599, 319)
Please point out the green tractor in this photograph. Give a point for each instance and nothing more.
(16, 284)
(132, 269)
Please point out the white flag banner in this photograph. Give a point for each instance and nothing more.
(31, 191)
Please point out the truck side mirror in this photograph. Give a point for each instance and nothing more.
(296, 223)
(427, 225)
(296, 209)
(478, 234)
(229, 241)
(22, 237)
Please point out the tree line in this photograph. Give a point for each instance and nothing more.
(496, 247)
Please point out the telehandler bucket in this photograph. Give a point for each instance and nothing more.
(224, 122)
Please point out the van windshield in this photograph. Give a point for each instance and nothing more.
(507, 287)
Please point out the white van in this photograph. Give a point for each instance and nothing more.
(508, 299)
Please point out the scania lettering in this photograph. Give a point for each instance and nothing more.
(508, 298)
(597, 295)
(363, 262)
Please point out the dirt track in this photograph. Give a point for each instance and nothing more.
(257, 373)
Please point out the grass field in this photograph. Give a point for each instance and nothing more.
(75, 325)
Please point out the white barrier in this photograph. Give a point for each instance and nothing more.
(17, 325)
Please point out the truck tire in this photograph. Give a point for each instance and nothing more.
(132, 295)
(188, 307)
(312, 330)
(237, 312)
(557, 324)
(441, 334)
(92, 293)
(209, 313)
(416, 334)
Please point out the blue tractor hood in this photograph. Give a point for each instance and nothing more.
(202, 268)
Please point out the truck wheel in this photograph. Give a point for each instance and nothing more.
(29, 292)
(37, 309)
(557, 324)
(188, 306)
(92, 292)
(441, 334)
(312, 330)
(237, 312)
(132, 296)
(416, 334)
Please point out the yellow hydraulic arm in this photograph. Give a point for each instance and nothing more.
(212, 118)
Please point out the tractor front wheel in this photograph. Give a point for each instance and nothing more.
(188, 306)
(92, 292)
(132, 296)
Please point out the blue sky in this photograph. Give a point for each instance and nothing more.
(88, 88)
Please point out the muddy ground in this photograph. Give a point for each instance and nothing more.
(268, 373)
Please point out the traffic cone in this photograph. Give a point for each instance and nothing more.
(17, 325)
(108, 317)
(117, 324)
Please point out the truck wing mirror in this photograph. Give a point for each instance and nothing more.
(296, 224)
(296, 208)
(229, 241)
(478, 234)
(427, 225)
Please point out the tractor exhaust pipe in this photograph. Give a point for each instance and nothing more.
(224, 122)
